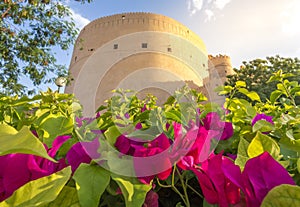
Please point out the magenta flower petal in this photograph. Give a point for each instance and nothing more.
(262, 117)
(58, 141)
(260, 175)
(222, 130)
(16, 172)
(151, 199)
(227, 132)
(77, 155)
(212, 121)
(123, 144)
(263, 174)
(216, 187)
(208, 189)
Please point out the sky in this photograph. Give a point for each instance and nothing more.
(242, 29)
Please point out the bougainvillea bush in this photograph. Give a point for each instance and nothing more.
(187, 152)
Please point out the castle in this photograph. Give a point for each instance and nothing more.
(146, 52)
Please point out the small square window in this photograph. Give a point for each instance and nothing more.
(169, 49)
(116, 46)
(144, 45)
(123, 17)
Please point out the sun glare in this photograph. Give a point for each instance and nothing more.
(290, 18)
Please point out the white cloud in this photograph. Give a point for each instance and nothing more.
(290, 18)
(220, 4)
(210, 7)
(209, 14)
(79, 20)
(194, 6)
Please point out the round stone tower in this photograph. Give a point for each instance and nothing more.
(219, 67)
(146, 52)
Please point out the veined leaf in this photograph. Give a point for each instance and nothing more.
(133, 190)
(242, 156)
(283, 195)
(275, 95)
(12, 141)
(263, 126)
(239, 84)
(39, 192)
(53, 126)
(91, 182)
(262, 143)
(250, 94)
(67, 197)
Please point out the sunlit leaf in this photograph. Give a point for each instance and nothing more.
(53, 126)
(133, 190)
(91, 182)
(262, 143)
(67, 197)
(283, 195)
(40, 191)
(12, 141)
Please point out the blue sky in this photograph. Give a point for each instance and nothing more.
(241, 29)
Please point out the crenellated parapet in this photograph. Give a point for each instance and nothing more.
(219, 60)
(105, 29)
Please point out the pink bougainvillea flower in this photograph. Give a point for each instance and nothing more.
(260, 175)
(82, 152)
(151, 199)
(18, 169)
(198, 139)
(216, 187)
(80, 120)
(147, 160)
(192, 148)
(262, 117)
(212, 122)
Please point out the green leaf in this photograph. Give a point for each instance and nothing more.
(40, 191)
(91, 182)
(298, 165)
(12, 141)
(283, 195)
(263, 126)
(262, 143)
(146, 134)
(250, 94)
(240, 84)
(275, 95)
(133, 190)
(67, 197)
(53, 126)
(290, 144)
(176, 116)
(242, 155)
(111, 134)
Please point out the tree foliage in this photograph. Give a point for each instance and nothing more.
(257, 72)
(29, 30)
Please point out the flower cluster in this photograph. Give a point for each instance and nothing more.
(18, 169)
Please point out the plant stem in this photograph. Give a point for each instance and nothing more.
(187, 202)
(162, 185)
(288, 93)
(190, 187)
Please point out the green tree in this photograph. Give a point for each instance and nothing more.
(29, 30)
(257, 72)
